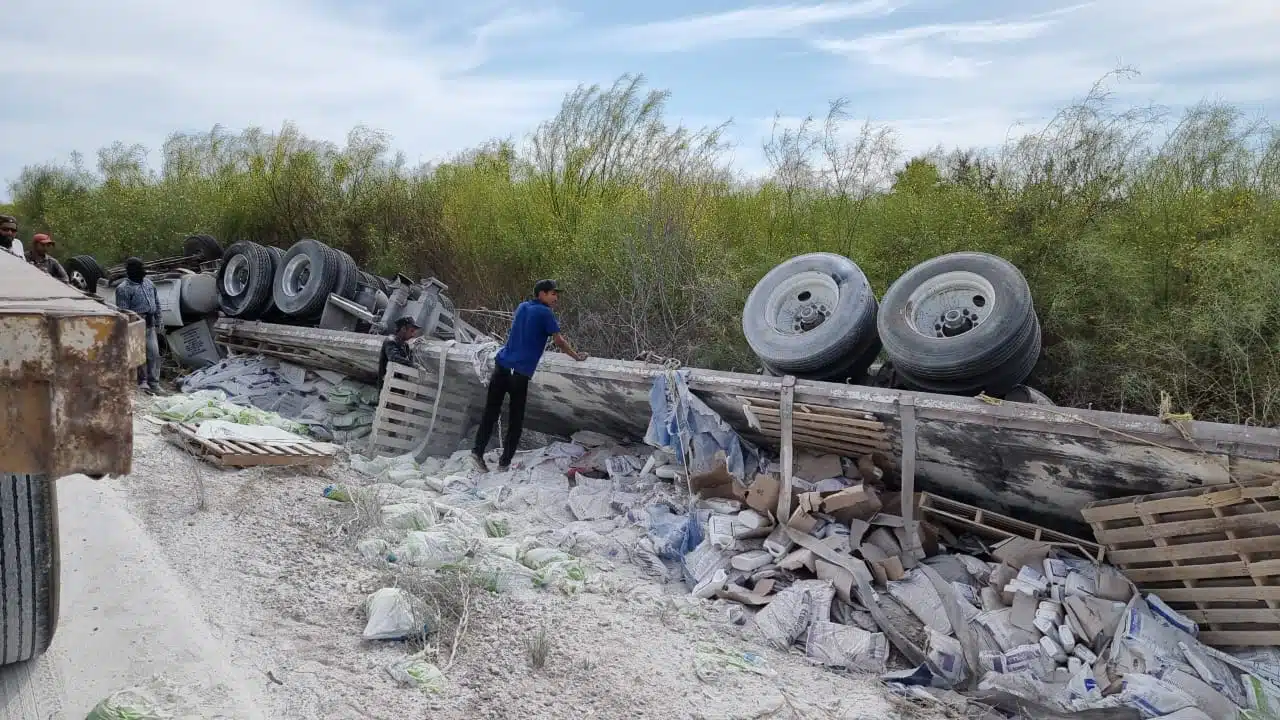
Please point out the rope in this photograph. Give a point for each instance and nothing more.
(435, 406)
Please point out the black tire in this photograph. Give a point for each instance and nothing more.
(205, 246)
(348, 277)
(369, 280)
(927, 323)
(84, 272)
(308, 272)
(839, 347)
(28, 566)
(1030, 395)
(245, 280)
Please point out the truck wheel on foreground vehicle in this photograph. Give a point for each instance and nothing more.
(84, 272)
(348, 276)
(28, 565)
(813, 316)
(961, 324)
(309, 271)
(204, 246)
(245, 280)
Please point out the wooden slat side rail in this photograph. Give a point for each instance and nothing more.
(1212, 553)
(245, 453)
(1001, 527)
(785, 414)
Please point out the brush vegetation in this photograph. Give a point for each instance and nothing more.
(1150, 240)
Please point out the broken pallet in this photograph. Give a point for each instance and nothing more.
(827, 429)
(405, 409)
(1212, 553)
(244, 453)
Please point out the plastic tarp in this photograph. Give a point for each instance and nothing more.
(679, 419)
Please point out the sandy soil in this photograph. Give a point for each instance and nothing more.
(270, 567)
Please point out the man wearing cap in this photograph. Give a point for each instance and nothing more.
(534, 322)
(395, 349)
(9, 235)
(39, 256)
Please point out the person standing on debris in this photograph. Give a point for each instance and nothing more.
(138, 294)
(9, 235)
(534, 322)
(395, 349)
(39, 256)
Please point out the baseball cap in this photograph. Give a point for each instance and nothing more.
(8, 220)
(407, 321)
(545, 286)
(42, 239)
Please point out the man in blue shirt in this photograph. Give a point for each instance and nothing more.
(534, 322)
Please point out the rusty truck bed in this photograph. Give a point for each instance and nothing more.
(66, 373)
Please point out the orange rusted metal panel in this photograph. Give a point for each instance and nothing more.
(67, 376)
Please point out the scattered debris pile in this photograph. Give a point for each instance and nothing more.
(330, 405)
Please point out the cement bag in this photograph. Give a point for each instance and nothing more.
(127, 705)
(373, 549)
(406, 516)
(917, 593)
(433, 549)
(417, 673)
(1152, 696)
(391, 615)
(847, 647)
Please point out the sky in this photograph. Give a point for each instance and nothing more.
(443, 76)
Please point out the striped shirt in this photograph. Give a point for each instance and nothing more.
(140, 298)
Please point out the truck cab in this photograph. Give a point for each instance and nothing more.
(67, 381)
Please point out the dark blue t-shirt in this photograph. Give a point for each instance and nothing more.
(533, 324)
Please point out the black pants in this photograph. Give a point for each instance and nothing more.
(503, 382)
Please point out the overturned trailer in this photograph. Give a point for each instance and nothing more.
(1005, 456)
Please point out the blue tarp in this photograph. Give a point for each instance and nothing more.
(679, 419)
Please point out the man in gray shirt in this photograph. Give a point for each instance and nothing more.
(138, 294)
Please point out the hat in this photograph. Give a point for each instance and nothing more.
(42, 239)
(545, 286)
(9, 220)
(407, 321)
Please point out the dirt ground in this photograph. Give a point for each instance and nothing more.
(273, 568)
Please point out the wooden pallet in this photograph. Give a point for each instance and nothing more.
(243, 453)
(827, 429)
(994, 526)
(404, 412)
(1212, 553)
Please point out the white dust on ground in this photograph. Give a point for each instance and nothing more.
(267, 559)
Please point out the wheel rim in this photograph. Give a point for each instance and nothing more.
(950, 304)
(297, 273)
(79, 280)
(802, 303)
(235, 279)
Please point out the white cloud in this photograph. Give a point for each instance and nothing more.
(976, 82)
(80, 74)
(750, 23)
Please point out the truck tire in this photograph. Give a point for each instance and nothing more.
(204, 246)
(308, 272)
(813, 316)
(245, 280)
(961, 324)
(84, 273)
(348, 276)
(28, 566)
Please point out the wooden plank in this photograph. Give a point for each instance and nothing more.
(1148, 522)
(835, 431)
(1177, 501)
(785, 405)
(841, 447)
(1240, 638)
(853, 417)
(1164, 530)
(908, 495)
(837, 438)
(823, 419)
(1234, 616)
(1195, 551)
(1240, 593)
(396, 443)
(1177, 573)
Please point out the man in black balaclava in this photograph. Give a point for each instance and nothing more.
(138, 294)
